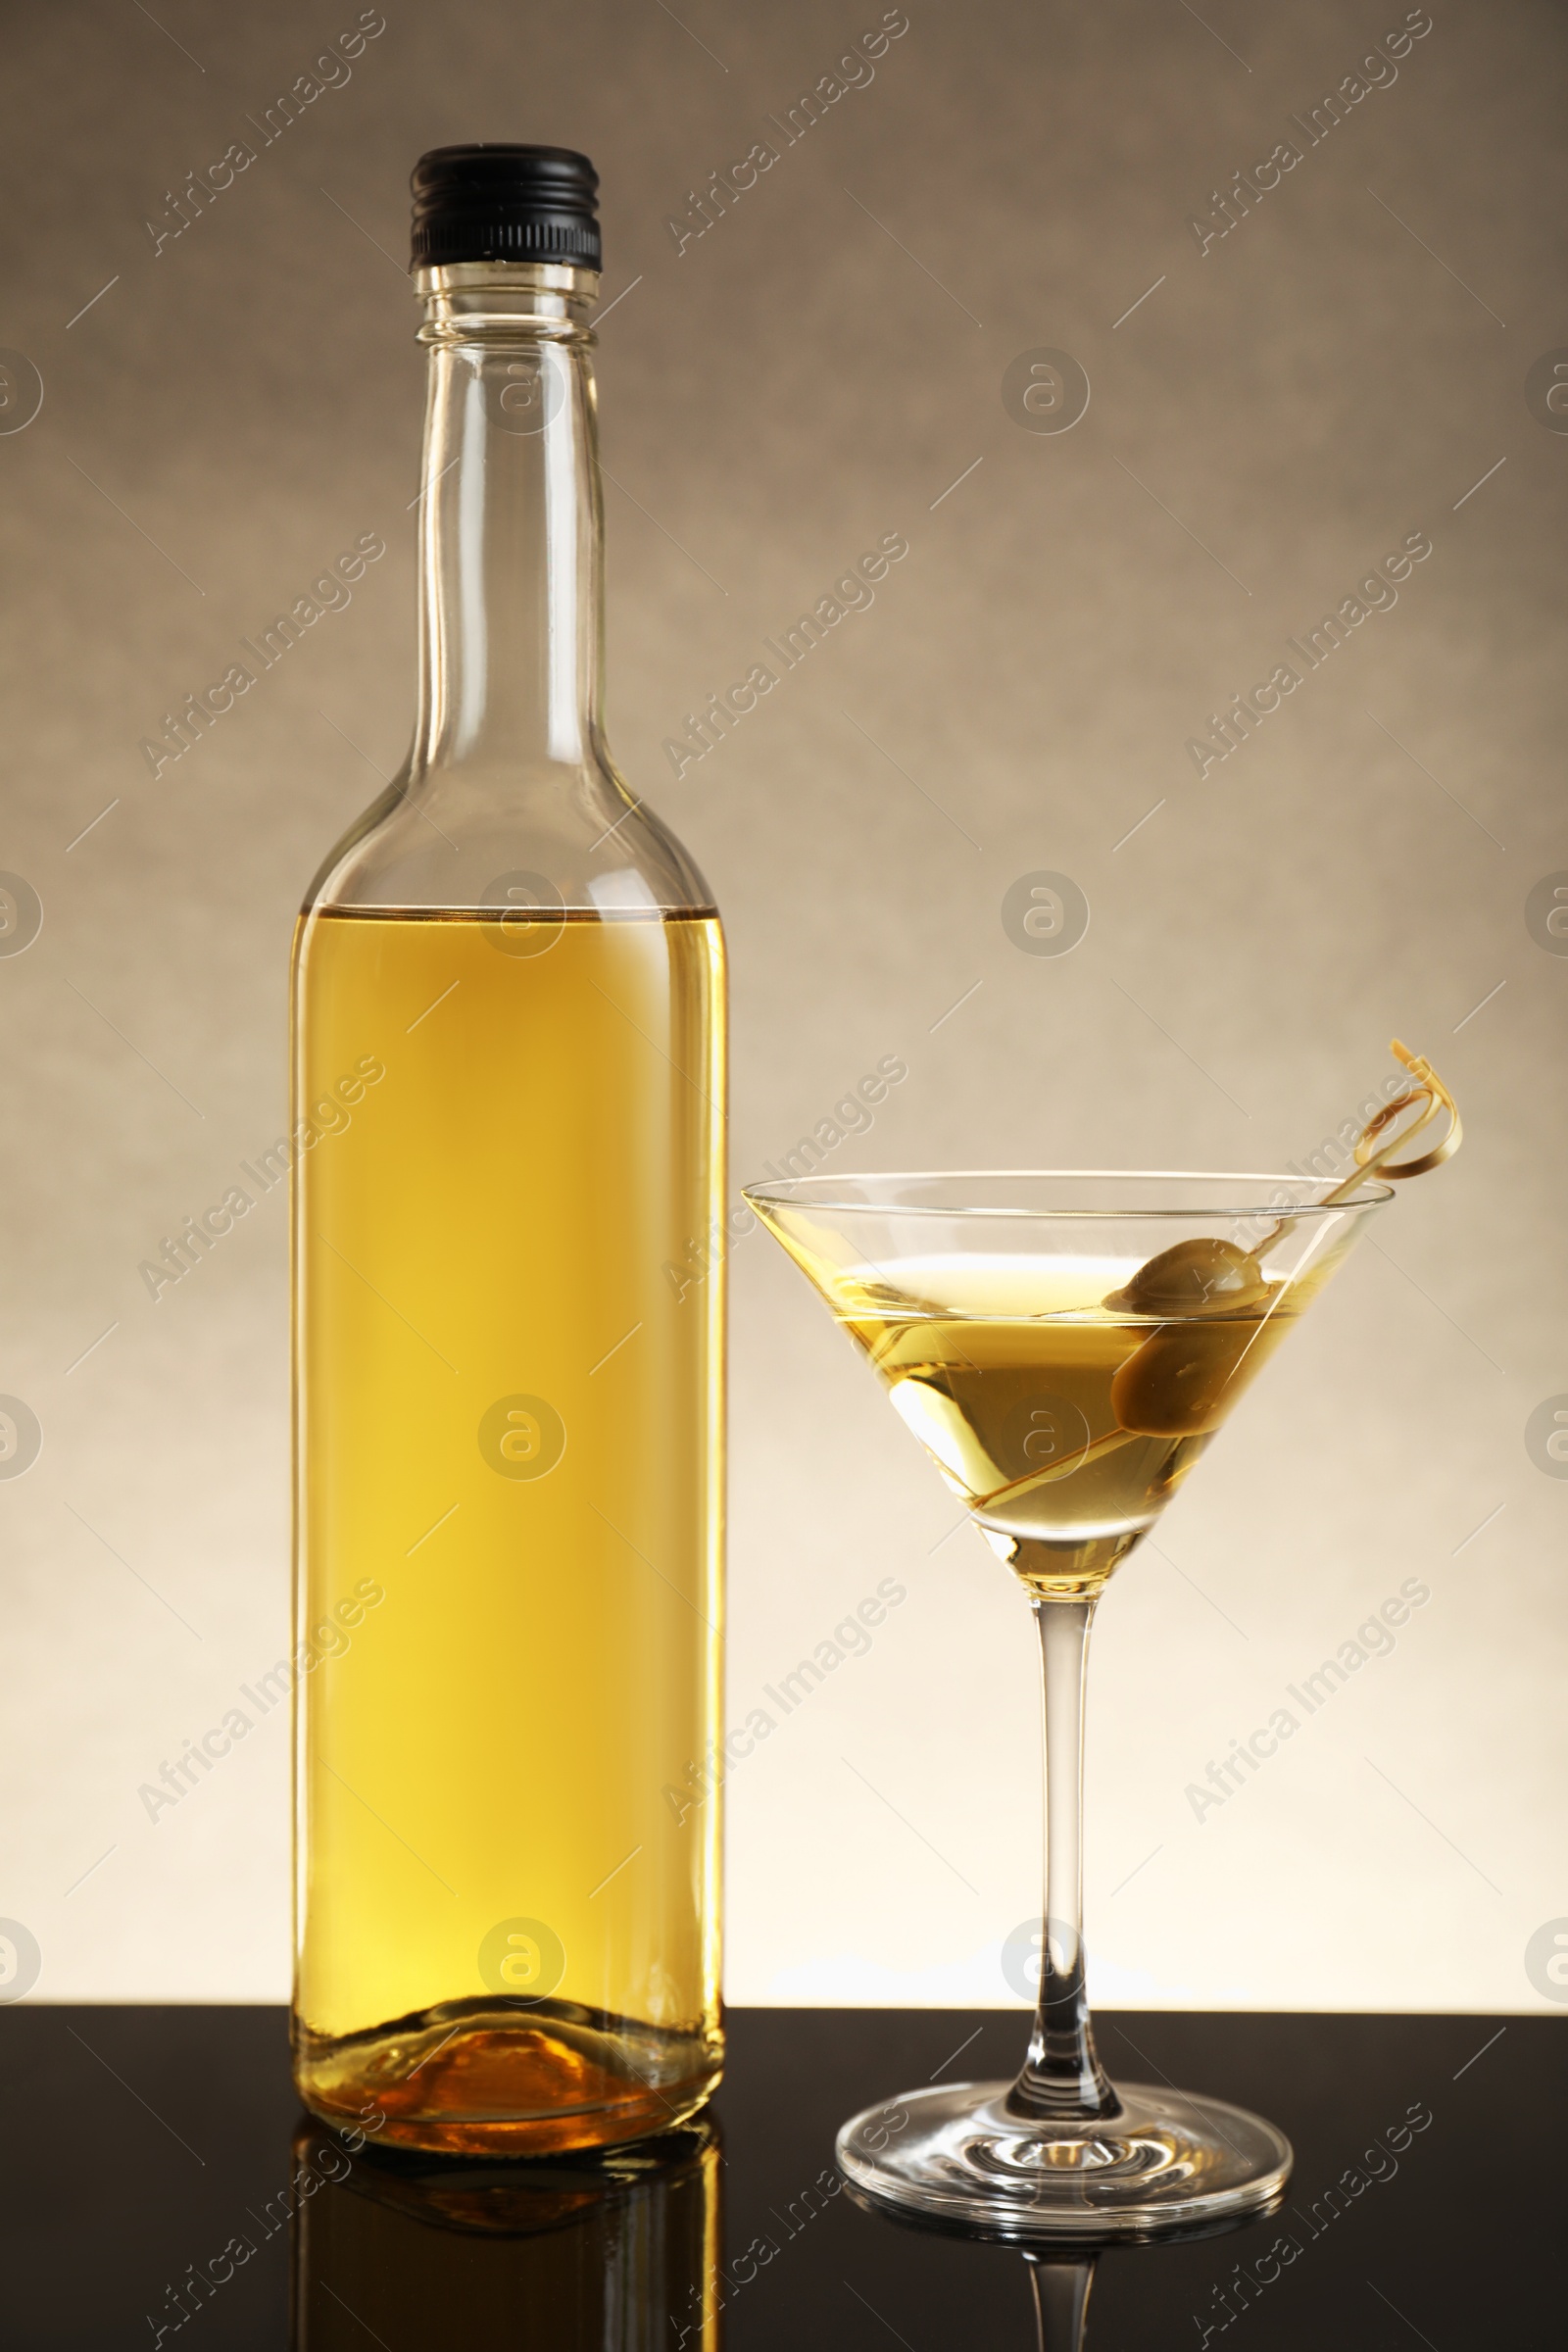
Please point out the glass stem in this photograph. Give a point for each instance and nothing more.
(1062, 2080)
(1061, 2299)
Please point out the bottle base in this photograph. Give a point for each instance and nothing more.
(507, 2079)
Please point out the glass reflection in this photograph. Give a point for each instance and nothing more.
(1060, 2284)
(609, 2253)
(1060, 2280)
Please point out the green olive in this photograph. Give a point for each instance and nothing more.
(1204, 1276)
(1176, 1383)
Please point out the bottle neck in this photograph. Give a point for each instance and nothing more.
(511, 530)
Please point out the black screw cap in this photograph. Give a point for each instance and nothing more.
(498, 203)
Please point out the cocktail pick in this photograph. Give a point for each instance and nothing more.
(1175, 1383)
(1372, 1159)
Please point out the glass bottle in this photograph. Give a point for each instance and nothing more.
(508, 1065)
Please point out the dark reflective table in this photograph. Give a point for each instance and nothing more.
(163, 2187)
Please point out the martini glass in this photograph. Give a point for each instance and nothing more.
(1064, 1346)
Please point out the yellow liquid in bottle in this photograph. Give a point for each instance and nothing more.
(509, 1535)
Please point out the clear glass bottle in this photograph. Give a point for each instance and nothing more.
(508, 1062)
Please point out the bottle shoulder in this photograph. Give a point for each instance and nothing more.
(479, 835)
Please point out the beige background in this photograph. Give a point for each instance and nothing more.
(813, 373)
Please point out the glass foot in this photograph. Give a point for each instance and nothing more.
(1166, 2162)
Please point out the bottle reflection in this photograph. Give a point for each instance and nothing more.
(609, 2253)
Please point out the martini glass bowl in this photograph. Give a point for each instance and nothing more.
(1064, 1346)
